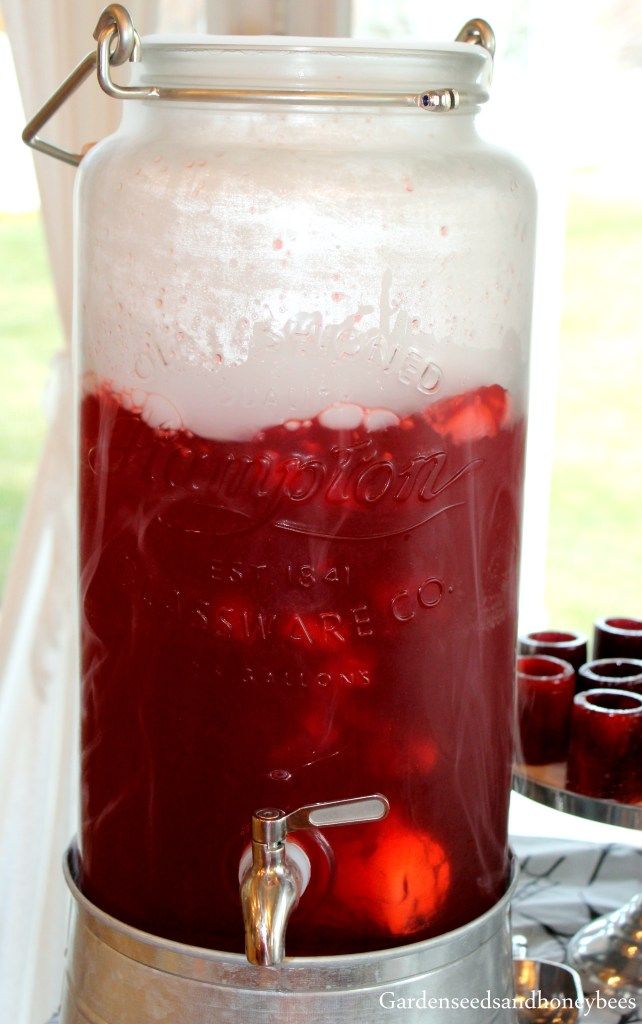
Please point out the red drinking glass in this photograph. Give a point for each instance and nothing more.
(605, 752)
(569, 646)
(617, 638)
(545, 690)
(607, 673)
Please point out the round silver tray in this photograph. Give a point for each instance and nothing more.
(607, 952)
(545, 783)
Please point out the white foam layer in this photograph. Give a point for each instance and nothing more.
(372, 381)
(228, 286)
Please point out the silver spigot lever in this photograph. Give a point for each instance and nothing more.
(274, 880)
(341, 812)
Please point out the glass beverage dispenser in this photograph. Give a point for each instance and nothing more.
(302, 320)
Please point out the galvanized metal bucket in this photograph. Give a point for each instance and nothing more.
(118, 975)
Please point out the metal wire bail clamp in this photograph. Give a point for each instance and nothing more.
(118, 42)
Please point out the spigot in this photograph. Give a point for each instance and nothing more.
(274, 879)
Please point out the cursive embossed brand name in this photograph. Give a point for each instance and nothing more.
(240, 492)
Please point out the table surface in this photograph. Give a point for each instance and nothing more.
(564, 885)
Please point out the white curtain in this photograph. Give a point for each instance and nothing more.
(38, 655)
(38, 677)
